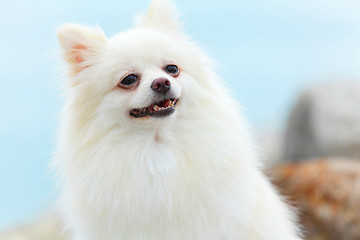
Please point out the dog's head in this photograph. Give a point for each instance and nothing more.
(144, 74)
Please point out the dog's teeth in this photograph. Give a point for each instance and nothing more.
(169, 104)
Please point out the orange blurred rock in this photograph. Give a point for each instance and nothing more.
(327, 194)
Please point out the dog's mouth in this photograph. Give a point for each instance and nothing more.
(158, 109)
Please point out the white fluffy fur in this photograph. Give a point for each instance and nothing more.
(191, 175)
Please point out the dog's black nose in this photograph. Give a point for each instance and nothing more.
(161, 85)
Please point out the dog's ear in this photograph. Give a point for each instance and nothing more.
(80, 44)
(161, 15)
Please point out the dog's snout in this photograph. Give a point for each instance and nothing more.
(161, 85)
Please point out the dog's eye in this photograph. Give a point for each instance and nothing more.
(128, 81)
(173, 70)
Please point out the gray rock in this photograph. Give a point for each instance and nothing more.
(325, 121)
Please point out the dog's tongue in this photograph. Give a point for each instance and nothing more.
(164, 104)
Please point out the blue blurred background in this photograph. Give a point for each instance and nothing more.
(267, 51)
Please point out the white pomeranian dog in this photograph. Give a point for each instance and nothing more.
(152, 146)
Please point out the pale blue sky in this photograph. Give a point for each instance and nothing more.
(267, 52)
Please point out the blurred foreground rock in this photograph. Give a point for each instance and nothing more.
(325, 122)
(327, 194)
(46, 228)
